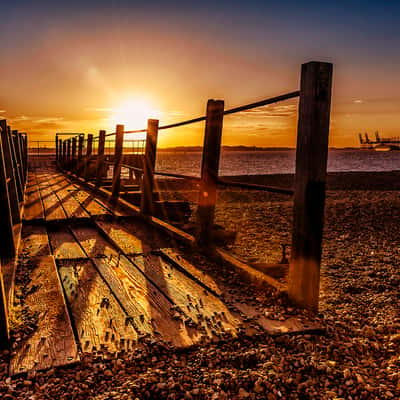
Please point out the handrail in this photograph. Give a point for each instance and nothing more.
(234, 110)
(253, 186)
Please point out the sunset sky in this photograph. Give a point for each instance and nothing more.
(81, 66)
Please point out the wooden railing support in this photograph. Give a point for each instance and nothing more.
(89, 149)
(10, 173)
(7, 247)
(100, 157)
(68, 154)
(146, 201)
(119, 144)
(209, 171)
(15, 162)
(64, 154)
(81, 138)
(73, 156)
(57, 148)
(309, 197)
(60, 154)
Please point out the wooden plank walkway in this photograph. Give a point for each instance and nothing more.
(122, 280)
(52, 343)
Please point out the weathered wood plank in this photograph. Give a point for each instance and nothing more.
(192, 301)
(52, 343)
(144, 302)
(52, 206)
(206, 310)
(273, 327)
(64, 245)
(129, 243)
(99, 320)
(71, 206)
(88, 201)
(33, 208)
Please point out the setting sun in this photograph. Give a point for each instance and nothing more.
(133, 113)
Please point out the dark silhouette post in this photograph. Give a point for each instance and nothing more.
(89, 149)
(146, 201)
(119, 143)
(64, 153)
(7, 247)
(100, 158)
(309, 196)
(57, 159)
(81, 138)
(74, 160)
(209, 170)
(18, 179)
(68, 153)
(59, 151)
(10, 173)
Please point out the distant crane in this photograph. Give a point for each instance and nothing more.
(380, 144)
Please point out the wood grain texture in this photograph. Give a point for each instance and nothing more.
(100, 322)
(52, 343)
(64, 245)
(33, 208)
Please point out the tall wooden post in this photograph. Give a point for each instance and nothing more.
(10, 173)
(100, 158)
(18, 138)
(60, 153)
(309, 197)
(68, 153)
(18, 180)
(119, 144)
(89, 149)
(25, 146)
(64, 154)
(146, 200)
(74, 160)
(57, 148)
(209, 170)
(81, 138)
(7, 247)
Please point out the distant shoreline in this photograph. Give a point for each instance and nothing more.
(189, 149)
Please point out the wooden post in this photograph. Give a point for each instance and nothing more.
(18, 180)
(22, 138)
(100, 158)
(25, 148)
(7, 247)
(309, 196)
(89, 149)
(146, 201)
(81, 139)
(209, 171)
(18, 139)
(74, 160)
(68, 154)
(10, 173)
(57, 148)
(119, 144)
(60, 155)
(64, 153)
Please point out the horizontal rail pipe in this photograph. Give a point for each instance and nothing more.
(253, 186)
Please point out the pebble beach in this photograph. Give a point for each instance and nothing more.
(357, 357)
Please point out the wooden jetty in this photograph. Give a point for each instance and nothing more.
(107, 265)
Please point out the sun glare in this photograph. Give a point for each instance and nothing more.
(133, 114)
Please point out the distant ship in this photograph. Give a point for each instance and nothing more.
(380, 144)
